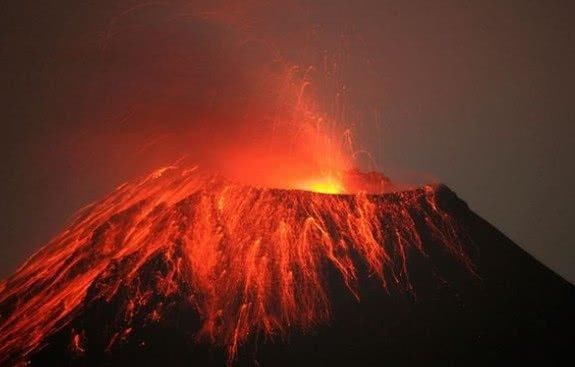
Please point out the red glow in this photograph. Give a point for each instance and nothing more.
(250, 233)
(253, 257)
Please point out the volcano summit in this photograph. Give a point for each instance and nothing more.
(187, 268)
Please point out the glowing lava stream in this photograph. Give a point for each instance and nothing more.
(254, 258)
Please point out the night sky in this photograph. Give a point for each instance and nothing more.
(475, 94)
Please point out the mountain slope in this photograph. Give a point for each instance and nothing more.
(186, 269)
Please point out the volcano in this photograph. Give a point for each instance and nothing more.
(186, 268)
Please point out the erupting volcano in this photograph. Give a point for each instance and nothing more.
(248, 260)
(228, 272)
(271, 249)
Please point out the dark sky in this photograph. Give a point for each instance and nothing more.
(476, 94)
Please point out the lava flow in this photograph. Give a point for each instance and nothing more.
(250, 260)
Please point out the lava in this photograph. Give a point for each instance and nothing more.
(253, 259)
(328, 186)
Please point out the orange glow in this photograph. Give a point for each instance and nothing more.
(253, 258)
(325, 185)
(246, 239)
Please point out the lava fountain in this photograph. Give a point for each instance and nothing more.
(246, 242)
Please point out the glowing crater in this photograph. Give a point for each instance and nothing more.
(325, 185)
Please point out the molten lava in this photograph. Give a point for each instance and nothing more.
(250, 260)
(326, 185)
